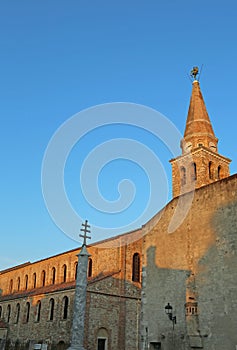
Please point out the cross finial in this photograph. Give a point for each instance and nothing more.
(84, 229)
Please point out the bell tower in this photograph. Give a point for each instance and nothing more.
(200, 163)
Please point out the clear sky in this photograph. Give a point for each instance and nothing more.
(58, 58)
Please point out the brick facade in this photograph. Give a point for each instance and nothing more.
(113, 298)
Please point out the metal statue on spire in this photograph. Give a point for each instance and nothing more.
(194, 72)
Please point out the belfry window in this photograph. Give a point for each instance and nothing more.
(136, 268)
(210, 170)
(183, 175)
(194, 172)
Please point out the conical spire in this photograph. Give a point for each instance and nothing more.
(198, 131)
(200, 164)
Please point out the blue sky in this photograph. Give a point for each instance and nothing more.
(58, 58)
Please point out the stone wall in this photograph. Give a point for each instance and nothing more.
(194, 269)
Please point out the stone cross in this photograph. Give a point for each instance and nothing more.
(84, 229)
(79, 309)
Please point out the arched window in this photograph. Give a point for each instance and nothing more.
(26, 281)
(38, 310)
(210, 170)
(89, 267)
(27, 312)
(102, 339)
(43, 278)
(17, 312)
(34, 280)
(219, 172)
(64, 273)
(53, 275)
(194, 172)
(51, 309)
(8, 312)
(0, 312)
(18, 283)
(136, 268)
(65, 307)
(10, 286)
(76, 263)
(183, 175)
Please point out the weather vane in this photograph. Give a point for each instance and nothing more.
(85, 229)
(194, 72)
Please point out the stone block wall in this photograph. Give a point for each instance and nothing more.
(194, 265)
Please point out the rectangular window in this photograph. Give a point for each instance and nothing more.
(101, 344)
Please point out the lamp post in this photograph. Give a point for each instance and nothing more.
(168, 311)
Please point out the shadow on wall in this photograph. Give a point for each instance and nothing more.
(162, 286)
(217, 281)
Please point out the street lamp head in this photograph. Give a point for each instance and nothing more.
(168, 309)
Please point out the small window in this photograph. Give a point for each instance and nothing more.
(53, 275)
(0, 311)
(38, 311)
(10, 286)
(43, 276)
(34, 280)
(102, 339)
(18, 284)
(219, 172)
(51, 309)
(8, 313)
(27, 312)
(17, 312)
(90, 267)
(64, 273)
(210, 170)
(136, 268)
(101, 343)
(194, 172)
(183, 175)
(26, 281)
(76, 264)
(65, 307)
(191, 308)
